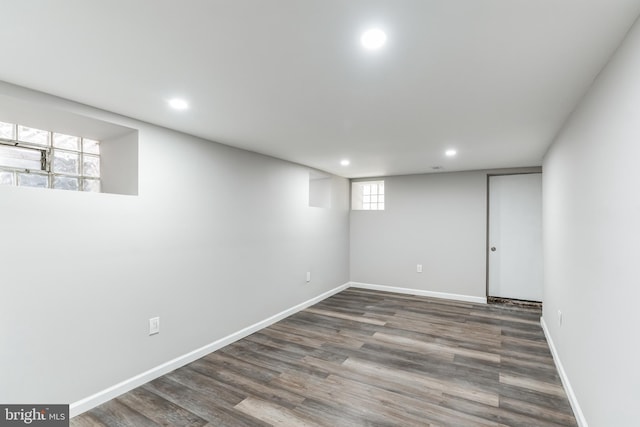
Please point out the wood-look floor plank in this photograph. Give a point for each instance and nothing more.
(532, 384)
(271, 413)
(246, 386)
(117, 414)
(339, 315)
(195, 377)
(407, 410)
(364, 358)
(204, 405)
(221, 361)
(159, 410)
(424, 381)
(88, 419)
(364, 402)
(539, 413)
(501, 414)
(428, 347)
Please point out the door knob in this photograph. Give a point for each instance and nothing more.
(493, 248)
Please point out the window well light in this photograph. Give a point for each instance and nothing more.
(373, 39)
(345, 162)
(450, 153)
(178, 104)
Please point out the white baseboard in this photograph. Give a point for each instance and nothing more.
(419, 292)
(114, 391)
(577, 411)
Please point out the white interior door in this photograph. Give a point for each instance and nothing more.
(515, 236)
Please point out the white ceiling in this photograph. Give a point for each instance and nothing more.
(494, 79)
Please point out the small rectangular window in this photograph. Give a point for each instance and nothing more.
(38, 158)
(367, 195)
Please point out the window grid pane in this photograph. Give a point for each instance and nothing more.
(66, 162)
(92, 185)
(33, 135)
(7, 178)
(7, 130)
(33, 180)
(67, 142)
(90, 146)
(66, 182)
(91, 166)
(376, 197)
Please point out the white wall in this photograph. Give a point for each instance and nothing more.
(437, 220)
(218, 239)
(591, 190)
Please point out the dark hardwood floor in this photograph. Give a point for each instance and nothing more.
(364, 358)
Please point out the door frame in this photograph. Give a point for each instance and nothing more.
(487, 243)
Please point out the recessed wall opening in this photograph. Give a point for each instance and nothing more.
(319, 190)
(66, 150)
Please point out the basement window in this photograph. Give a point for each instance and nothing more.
(367, 195)
(31, 157)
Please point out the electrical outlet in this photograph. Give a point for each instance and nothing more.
(154, 325)
(419, 268)
(308, 276)
(559, 317)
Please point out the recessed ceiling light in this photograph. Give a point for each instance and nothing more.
(345, 162)
(373, 39)
(178, 104)
(450, 153)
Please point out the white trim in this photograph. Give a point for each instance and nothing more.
(573, 400)
(419, 292)
(116, 390)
